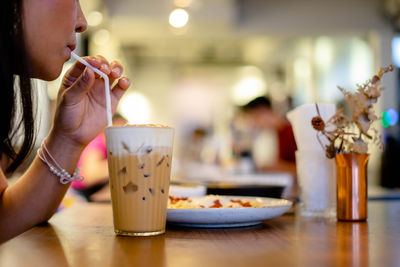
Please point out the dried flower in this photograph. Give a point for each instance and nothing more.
(318, 123)
(352, 135)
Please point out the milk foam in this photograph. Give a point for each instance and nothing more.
(131, 139)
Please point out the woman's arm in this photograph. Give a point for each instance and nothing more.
(80, 116)
(37, 194)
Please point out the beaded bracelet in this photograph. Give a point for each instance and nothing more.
(65, 177)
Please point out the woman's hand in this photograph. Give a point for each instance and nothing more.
(81, 102)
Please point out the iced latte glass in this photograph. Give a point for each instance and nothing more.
(139, 163)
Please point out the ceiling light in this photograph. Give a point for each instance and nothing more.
(178, 18)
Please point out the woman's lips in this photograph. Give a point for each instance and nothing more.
(71, 47)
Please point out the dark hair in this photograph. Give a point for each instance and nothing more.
(261, 101)
(16, 88)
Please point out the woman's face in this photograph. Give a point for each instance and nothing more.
(50, 28)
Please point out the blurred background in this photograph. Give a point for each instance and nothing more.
(193, 62)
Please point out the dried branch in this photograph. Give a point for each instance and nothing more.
(362, 117)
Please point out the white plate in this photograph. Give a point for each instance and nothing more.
(229, 217)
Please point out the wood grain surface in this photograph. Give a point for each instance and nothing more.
(83, 236)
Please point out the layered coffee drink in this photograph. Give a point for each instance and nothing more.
(139, 162)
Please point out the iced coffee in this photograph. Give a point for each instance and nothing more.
(139, 161)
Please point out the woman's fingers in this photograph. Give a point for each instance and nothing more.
(80, 87)
(75, 82)
(76, 70)
(120, 87)
(100, 63)
(113, 70)
(116, 71)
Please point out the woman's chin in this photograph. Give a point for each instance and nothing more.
(49, 75)
(52, 77)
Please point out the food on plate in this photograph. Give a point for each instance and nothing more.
(211, 202)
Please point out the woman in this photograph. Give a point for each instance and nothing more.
(37, 37)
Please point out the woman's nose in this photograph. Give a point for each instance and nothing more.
(81, 23)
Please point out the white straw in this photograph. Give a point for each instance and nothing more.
(106, 85)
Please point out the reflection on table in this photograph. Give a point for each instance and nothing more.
(83, 236)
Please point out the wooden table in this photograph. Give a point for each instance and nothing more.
(83, 236)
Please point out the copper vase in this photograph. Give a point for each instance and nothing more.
(351, 173)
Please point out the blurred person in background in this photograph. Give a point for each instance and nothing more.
(260, 116)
